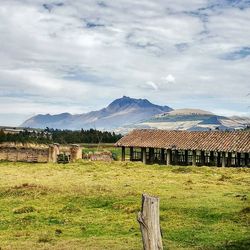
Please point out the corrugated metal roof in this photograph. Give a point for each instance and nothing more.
(238, 141)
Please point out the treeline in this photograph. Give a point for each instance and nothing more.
(61, 136)
(83, 136)
(26, 136)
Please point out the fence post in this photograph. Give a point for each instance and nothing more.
(149, 220)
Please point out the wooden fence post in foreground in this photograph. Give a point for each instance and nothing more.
(149, 220)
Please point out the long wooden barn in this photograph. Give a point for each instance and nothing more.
(206, 148)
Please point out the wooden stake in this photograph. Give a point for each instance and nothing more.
(149, 220)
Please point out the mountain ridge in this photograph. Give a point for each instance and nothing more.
(122, 111)
(191, 119)
(126, 113)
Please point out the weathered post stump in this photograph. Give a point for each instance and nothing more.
(149, 220)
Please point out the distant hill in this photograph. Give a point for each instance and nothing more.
(189, 119)
(120, 112)
(125, 114)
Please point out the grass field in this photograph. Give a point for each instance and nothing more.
(93, 205)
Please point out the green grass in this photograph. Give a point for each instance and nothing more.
(93, 205)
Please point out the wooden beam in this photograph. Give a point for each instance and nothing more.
(223, 155)
(186, 157)
(238, 159)
(123, 153)
(131, 153)
(229, 159)
(202, 158)
(144, 155)
(176, 157)
(194, 158)
(211, 158)
(151, 155)
(162, 155)
(218, 159)
(169, 156)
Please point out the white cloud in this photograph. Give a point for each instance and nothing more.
(169, 78)
(163, 83)
(153, 85)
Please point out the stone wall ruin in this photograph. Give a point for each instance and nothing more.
(37, 153)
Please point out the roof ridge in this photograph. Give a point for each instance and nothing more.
(228, 141)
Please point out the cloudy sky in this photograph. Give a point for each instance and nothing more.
(77, 56)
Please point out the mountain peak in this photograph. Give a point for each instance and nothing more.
(122, 111)
(128, 102)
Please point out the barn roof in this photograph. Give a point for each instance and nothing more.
(233, 141)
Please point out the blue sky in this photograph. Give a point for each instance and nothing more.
(77, 56)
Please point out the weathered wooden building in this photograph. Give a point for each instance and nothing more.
(206, 148)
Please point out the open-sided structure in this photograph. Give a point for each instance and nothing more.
(206, 148)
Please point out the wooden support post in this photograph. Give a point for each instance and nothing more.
(149, 220)
(169, 155)
(218, 159)
(202, 158)
(223, 155)
(238, 159)
(186, 157)
(123, 153)
(229, 157)
(246, 159)
(151, 155)
(162, 155)
(131, 153)
(194, 158)
(211, 158)
(144, 155)
(176, 156)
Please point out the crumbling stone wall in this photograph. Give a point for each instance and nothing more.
(54, 150)
(75, 152)
(32, 153)
(100, 156)
(24, 154)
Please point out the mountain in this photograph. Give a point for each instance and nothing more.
(189, 119)
(125, 114)
(120, 112)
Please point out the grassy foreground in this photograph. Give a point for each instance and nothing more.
(93, 205)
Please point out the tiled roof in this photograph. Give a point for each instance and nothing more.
(233, 141)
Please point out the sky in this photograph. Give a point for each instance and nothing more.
(78, 56)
